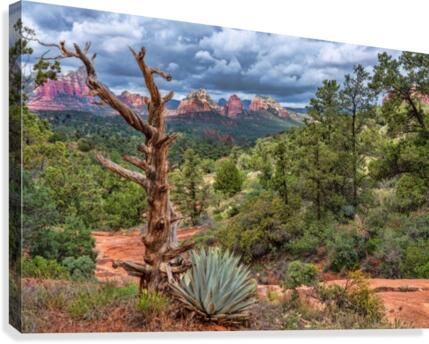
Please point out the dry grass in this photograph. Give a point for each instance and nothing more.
(63, 306)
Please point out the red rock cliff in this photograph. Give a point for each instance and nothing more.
(234, 106)
(268, 103)
(198, 102)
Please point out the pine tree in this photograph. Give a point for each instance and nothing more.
(191, 192)
(358, 102)
(228, 179)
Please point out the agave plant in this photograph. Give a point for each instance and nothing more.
(217, 286)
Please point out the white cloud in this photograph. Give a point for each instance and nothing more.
(229, 42)
(204, 55)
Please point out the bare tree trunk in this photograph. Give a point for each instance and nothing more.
(161, 259)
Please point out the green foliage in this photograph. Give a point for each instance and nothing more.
(85, 145)
(299, 273)
(20, 49)
(404, 79)
(345, 250)
(61, 182)
(39, 210)
(190, 191)
(263, 225)
(402, 246)
(353, 306)
(79, 268)
(151, 302)
(354, 298)
(305, 245)
(89, 302)
(72, 240)
(39, 267)
(411, 192)
(217, 287)
(228, 179)
(415, 260)
(404, 154)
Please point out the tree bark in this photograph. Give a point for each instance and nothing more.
(160, 240)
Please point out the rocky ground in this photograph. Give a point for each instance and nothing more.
(406, 300)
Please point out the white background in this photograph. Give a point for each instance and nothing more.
(402, 25)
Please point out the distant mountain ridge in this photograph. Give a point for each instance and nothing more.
(70, 92)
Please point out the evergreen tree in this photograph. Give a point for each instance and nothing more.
(281, 174)
(228, 179)
(404, 82)
(323, 157)
(358, 101)
(325, 107)
(190, 190)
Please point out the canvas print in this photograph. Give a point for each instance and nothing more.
(171, 176)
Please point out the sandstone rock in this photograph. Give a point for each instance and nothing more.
(234, 106)
(269, 104)
(198, 102)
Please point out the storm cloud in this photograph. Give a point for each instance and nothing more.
(221, 60)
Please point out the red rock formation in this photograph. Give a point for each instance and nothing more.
(268, 103)
(134, 100)
(198, 102)
(234, 106)
(69, 91)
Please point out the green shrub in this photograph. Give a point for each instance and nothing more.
(299, 273)
(415, 260)
(272, 296)
(217, 286)
(81, 267)
(422, 271)
(73, 239)
(355, 300)
(85, 145)
(351, 306)
(411, 192)
(40, 267)
(263, 226)
(390, 252)
(305, 245)
(152, 302)
(89, 302)
(345, 250)
(228, 178)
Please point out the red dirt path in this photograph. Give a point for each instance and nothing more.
(406, 300)
(124, 245)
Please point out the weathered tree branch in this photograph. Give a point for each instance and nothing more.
(165, 75)
(104, 93)
(148, 77)
(166, 140)
(174, 253)
(143, 148)
(168, 97)
(123, 172)
(137, 162)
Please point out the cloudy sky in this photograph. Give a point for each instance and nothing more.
(221, 60)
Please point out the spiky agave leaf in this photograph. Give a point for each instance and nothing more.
(217, 286)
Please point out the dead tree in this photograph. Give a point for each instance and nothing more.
(162, 256)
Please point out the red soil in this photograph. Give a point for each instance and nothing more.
(406, 300)
(124, 245)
